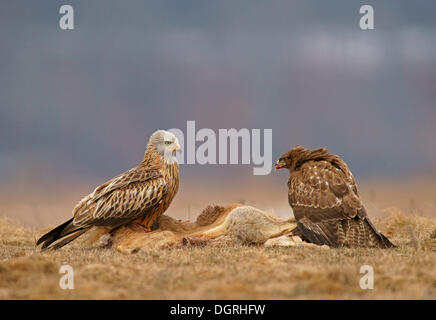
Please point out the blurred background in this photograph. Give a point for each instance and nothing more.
(77, 107)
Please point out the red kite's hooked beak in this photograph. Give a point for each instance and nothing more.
(176, 147)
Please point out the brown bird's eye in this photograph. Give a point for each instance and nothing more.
(168, 142)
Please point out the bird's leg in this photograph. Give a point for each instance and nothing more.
(152, 224)
(148, 225)
(141, 224)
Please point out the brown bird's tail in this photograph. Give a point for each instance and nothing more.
(65, 232)
(349, 233)
(360, 232)
(377, 239)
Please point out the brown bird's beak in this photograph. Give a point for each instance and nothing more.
(278, 165)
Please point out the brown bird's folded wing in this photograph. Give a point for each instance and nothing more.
(126, 178)
(121, 199)
(327, 207)
(326, 191)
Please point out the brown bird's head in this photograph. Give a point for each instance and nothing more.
(297, 155)
(165, 144)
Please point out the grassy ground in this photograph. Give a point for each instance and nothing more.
(239, 272)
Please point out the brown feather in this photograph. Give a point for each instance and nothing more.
(326, 202)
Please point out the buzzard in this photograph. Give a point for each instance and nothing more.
(141, 195)
(326, 202)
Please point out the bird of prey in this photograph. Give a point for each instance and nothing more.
(141, 194)
(326, 202)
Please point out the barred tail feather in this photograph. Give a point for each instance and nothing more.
(380, 240)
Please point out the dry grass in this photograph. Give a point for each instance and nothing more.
(237, 272)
